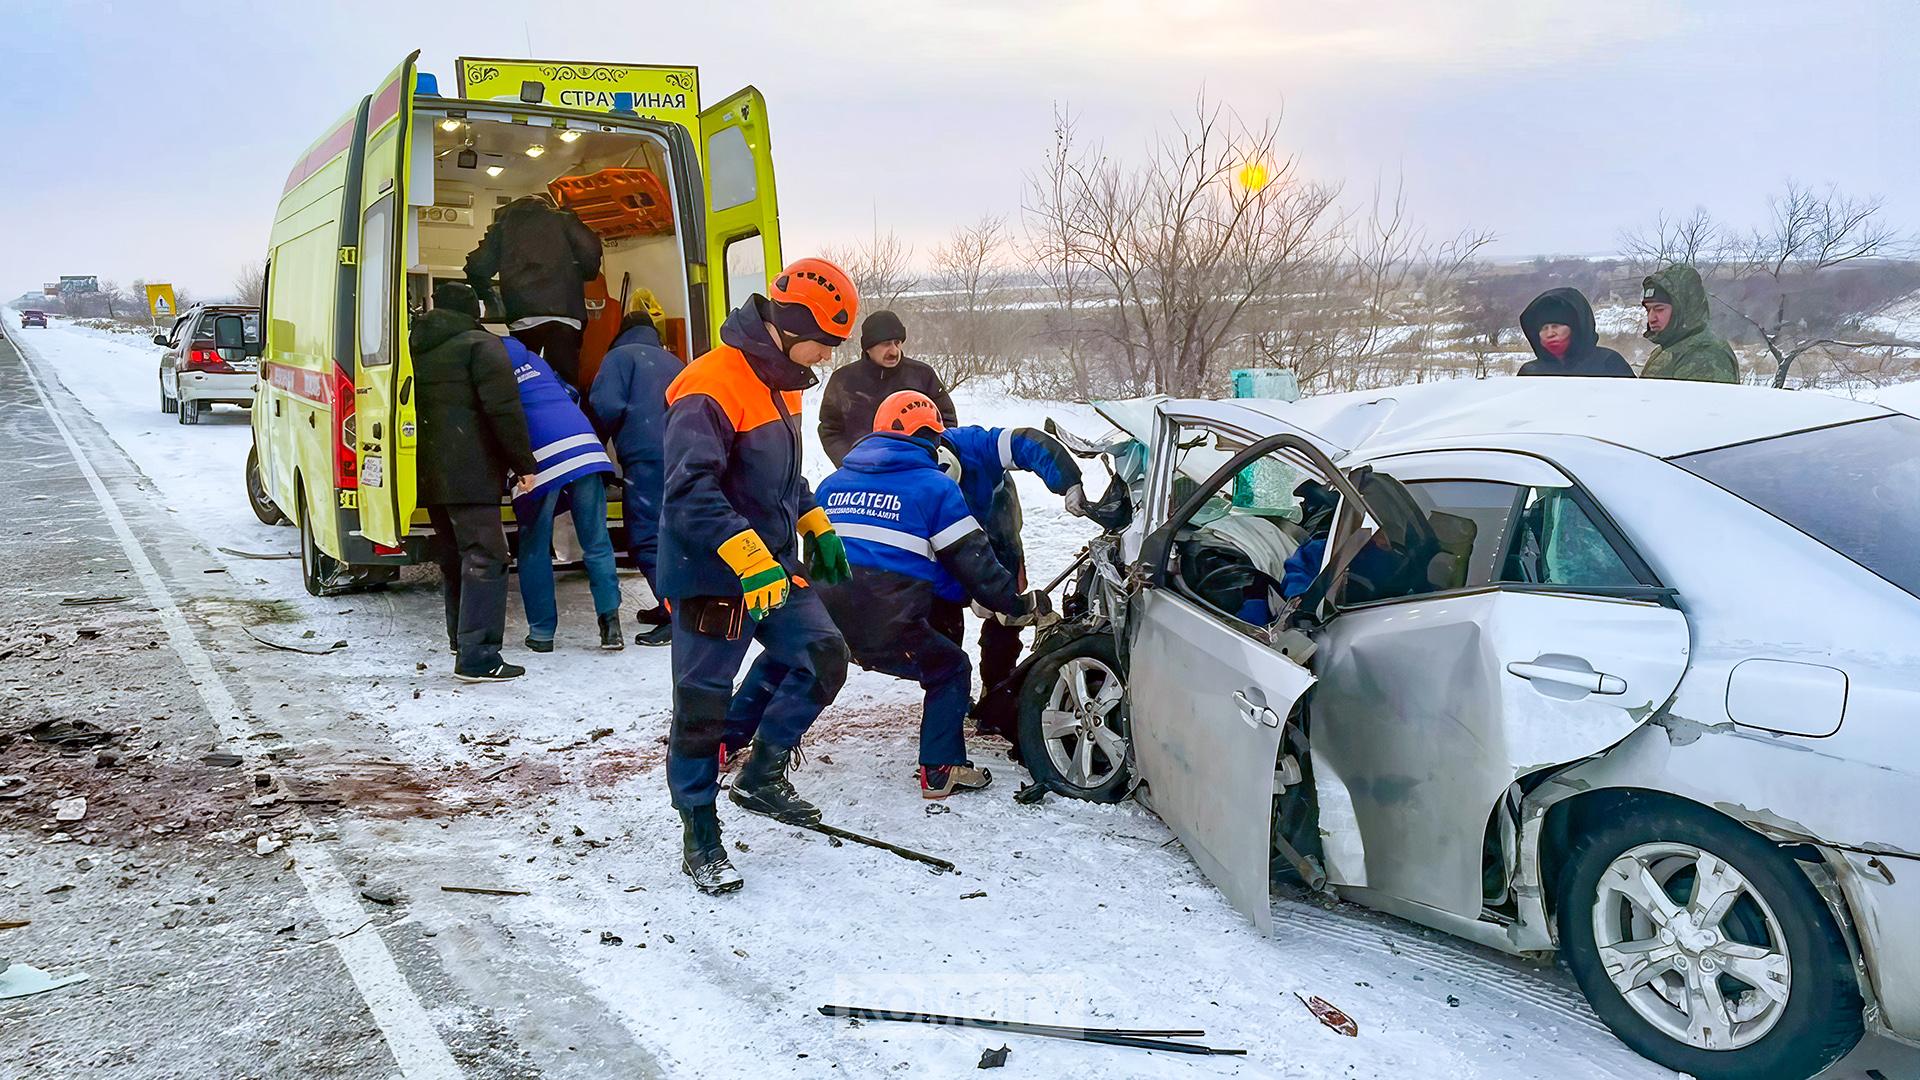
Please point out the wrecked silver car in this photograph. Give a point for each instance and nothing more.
(1627, 670)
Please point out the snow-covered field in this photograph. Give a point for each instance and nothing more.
(1062, 912)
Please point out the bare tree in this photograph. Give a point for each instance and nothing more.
(1049, 249)
(969, 323)
(250, 283)
(1808, 233)
(1692, 240)
(1184, 243)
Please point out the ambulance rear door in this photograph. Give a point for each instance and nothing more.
(383, 397)
(743, 218)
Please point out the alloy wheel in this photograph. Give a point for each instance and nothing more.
(1081, 722)
(1692, 946)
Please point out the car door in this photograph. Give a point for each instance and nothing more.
(743, 214)
(384, 428)
(1210, 691)
(1513, 630)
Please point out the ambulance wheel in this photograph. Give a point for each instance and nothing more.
(186, 410)
(257, 496)
(1073, 721)
(167, 404)
(317, 568)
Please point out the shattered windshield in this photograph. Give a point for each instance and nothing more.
(1853, 487)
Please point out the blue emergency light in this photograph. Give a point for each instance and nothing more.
(425, 84)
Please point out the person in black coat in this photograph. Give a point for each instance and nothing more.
(1559, 325)
(545, 256)
(855, 392)
(473, 434)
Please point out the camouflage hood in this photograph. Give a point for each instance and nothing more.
(1690, 307)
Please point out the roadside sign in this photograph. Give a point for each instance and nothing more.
(51, 288)
(650, 90)
(78, 283)
(161, 303)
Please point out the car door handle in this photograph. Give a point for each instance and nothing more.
(1255, 715)
(1593, 682)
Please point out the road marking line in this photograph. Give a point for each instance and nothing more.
(416, 1046)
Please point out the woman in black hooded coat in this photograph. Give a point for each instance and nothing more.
(1559, 325)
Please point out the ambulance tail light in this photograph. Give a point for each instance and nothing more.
(207, 359)
(346, 462)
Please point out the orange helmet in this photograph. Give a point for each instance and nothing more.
(824, 290)
(907, 411)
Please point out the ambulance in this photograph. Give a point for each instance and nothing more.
(389, 202)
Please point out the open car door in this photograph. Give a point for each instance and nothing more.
(1211, 693)
(743, 216)
(383, 423)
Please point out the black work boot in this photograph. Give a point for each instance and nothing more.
(702, 855)
(610, 631)
(762, 786)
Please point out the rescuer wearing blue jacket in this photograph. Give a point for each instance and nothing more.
(730, 565)
(629, 398)
(912, 541)
(984, 456)
(574, 466)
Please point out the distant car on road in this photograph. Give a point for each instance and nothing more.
(192, 372)
(33, 318)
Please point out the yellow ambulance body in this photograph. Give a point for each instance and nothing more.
(390, 201)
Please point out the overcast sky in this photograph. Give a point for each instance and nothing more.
(151, 140)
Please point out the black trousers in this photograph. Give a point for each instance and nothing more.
(471, 547)
(559, 345)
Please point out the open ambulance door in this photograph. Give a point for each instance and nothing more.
(743, 218)
(383, 425)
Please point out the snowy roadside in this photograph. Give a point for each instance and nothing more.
(1089, 913)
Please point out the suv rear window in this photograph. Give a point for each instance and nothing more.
(1853, 487)
(205, 328)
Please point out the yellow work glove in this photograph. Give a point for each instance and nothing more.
(826, 552)
(763, 583)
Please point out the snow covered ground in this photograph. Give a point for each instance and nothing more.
(1062, 912)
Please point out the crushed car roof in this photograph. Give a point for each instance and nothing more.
(1655, 416)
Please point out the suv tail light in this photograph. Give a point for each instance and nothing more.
(202, 356)
(346, 460)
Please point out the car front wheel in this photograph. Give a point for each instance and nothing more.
(1704, 947)
(1073, 725)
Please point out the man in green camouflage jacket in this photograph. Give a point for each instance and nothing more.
(1685, 348)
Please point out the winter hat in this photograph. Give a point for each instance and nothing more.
(457, 296)
(1655, 293)
(881, 326)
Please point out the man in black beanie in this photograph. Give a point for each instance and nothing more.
(855, 392)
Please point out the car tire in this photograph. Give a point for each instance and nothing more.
(1775, 928)
(167, 405)
(186, 410)
(1082, 684)
(317, 568)
(257, 497)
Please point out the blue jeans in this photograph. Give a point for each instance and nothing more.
(589, 495)
(800, 642)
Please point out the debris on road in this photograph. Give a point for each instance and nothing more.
(90, 601)
(12, 787)
(479, 890)
(72, 809)
(20, 980)
(70, 733)
(994, 1059)
(259, 554)
(940, 866)
(608, 937)
(310, 650)
(1333, 1018)
(220, 760)
(14, 924)
(977, 894)
(1030, 793)
(1135, 1038)
(381, 894)
(268, 843)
